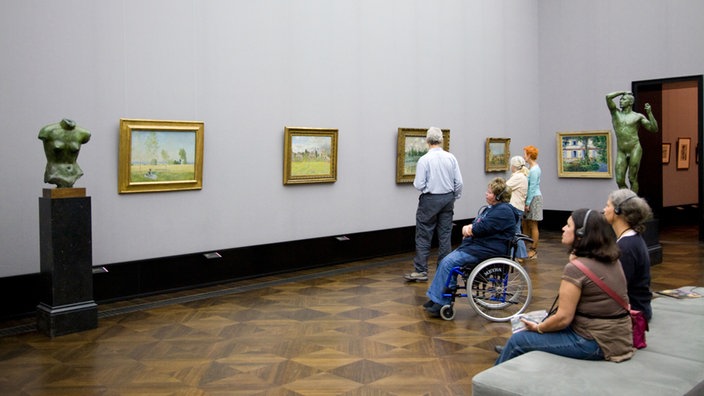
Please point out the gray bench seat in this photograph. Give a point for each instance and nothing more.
(672, 364)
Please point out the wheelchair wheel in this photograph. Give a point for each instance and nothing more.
(499, 288)
(447, 312)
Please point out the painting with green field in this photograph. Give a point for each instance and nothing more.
(415, 148)
(310, 155)
(160, 155)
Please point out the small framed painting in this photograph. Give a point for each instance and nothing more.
(683, 145)
(310, 155)
(497, 154)
(666, 153)
(584, 154)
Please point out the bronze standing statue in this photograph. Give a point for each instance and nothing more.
(62, 142)
(626, 123)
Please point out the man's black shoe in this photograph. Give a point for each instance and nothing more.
(428, 304)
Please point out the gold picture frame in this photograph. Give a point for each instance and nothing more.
(160, 155)
(584, 154)
(683, 145)
(666, 153)
(410, 146)
(310, 155)
(497, 154)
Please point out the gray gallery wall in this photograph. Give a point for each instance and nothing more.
(518, 69)
(591, 48)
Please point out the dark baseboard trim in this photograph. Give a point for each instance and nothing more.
(141, 278)
(20, 295)
(680, 215)
(554, 220)
(146, 277)
(123, 281)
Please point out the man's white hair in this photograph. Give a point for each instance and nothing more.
(434, 136)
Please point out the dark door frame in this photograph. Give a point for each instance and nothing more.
(651, 91)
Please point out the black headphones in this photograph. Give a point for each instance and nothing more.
(498, 197)
(580, 232)
(617, 209)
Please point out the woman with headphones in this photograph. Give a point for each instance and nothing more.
(588, 324)
(627, 214)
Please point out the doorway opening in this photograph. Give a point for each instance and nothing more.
(673, 185)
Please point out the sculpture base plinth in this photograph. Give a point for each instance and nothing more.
(66, 295)
(67, 319)
(52, 193)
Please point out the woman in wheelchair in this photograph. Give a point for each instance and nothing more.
(486, 237)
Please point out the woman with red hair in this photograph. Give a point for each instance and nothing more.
(533, 212)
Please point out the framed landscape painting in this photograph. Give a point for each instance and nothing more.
(497, 154)
(410, 147)
(584, 154)
(157, 155)
(310, 155)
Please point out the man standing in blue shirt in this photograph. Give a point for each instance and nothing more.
(439, 180)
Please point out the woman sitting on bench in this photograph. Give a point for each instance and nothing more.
(588, 323)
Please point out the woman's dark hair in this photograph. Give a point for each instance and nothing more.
(596, 238)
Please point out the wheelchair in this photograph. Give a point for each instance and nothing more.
(497, 288)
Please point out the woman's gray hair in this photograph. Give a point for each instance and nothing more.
(634, 209)
(434, 136)
(519, 163)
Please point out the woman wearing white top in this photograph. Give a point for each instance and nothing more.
(518, 183)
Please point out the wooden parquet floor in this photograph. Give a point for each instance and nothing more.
(353, 329)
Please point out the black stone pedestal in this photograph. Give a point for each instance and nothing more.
(66, 298)
(652, 240)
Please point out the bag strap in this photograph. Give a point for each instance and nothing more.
(600, 283)
(553, 307)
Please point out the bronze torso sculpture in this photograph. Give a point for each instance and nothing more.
(62, 143)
